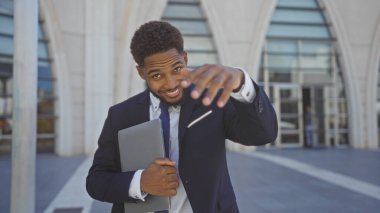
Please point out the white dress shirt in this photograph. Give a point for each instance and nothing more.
(180, 203)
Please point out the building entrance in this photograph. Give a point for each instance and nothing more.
(307, 116)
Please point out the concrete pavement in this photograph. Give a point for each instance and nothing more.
(268, 180)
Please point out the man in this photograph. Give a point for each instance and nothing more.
(195, 172)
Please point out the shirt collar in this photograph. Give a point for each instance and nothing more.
(155, 102)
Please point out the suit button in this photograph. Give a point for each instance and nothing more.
(186, 182)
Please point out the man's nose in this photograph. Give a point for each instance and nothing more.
(171, 82)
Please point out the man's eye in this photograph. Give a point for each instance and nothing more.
(156, 76)
(177, 69)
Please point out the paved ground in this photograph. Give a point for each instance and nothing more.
(268, 180)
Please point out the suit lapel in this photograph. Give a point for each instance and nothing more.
(141, 111)
(187, 109)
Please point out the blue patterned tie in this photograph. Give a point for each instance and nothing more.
(165, 121)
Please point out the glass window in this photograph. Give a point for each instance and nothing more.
(6, 45)
(297, 3)
(296, 31)
(191, 27)
(183, 11)
(40, 32)
(6, 24)
(299, 50)
(282, 46)
(282, 61)
(44, 70)
(317, 62)
(188, 17)
(46, 99)
(45, 125)
(198, 43)
(45, 88)
(294, 16)
(315, 47)
(42, 50)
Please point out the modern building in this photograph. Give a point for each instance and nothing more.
(319, 61)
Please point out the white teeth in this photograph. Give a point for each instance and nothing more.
(173, 93)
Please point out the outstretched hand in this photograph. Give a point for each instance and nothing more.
(213, 78)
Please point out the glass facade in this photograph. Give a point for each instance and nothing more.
(46, 95)
(300, 51)
(188, 17)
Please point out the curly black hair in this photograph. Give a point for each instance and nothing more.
(155, 37)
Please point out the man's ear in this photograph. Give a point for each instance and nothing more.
(141, 72)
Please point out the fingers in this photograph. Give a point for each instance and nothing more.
(172, 192)
(186, 82)
(225, 95)
(193, 77)
(217, 83)
(164, 162)
(169, 170)
(213, 78)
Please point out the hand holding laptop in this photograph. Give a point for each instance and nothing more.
(160, 178)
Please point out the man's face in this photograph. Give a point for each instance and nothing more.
(163, 73)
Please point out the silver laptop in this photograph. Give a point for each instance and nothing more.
(139, 145)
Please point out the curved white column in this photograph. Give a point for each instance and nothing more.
(24, 126)
(354, 99)
(99, 68)
(373, 77)
(64, 143)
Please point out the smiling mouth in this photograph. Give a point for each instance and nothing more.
(172, 93)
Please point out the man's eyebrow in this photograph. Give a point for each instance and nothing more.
(154, 70)
(176, 63)
(173, 66)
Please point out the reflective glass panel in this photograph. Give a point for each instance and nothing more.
(45, 125)
(316, 47)
(297, 3)
(191, 27)
(6, 45)
(6, 24)
(317, 62)
(45, 85)
(190, 20)
(282, 46)
(45, 88)
(295, 31)
(42, 50)
(183, 11)
(44, 71)
(299, 50)
(198, 43)
(300, 16)
(282, 61)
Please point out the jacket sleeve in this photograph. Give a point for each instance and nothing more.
(251, 123)
(105, 181)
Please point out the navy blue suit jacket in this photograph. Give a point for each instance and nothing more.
(202, 159)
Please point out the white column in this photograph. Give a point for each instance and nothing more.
(99, 67)
(24, 106)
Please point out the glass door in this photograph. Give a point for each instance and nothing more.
(287, 101)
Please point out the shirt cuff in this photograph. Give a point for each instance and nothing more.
(134, 187)
(247, 92)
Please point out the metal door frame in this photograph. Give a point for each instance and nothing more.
(277, 87)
